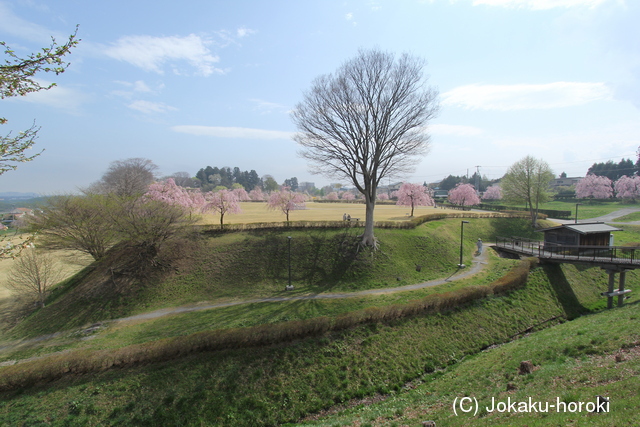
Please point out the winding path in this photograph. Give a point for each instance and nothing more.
(478, 264)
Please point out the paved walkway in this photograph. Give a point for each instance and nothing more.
(608, 218)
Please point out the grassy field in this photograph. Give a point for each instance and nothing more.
(258, 212)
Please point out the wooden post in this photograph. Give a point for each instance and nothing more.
(621, 288)
(612, 280)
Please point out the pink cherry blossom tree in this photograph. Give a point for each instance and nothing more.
(493, 193)
(382, 196)
(285, 201)
(348, 196)
(332, 196)
(595, 187)
(242, 194)
(223, 202)
(169, 192)
(413, 195)
(257, 195)
(627, 187)
(464, 195)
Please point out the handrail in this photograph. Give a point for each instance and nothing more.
(587, 253)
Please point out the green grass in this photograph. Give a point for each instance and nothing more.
(594, 355)
(240, 266)
(282, 383)
(136, 332)
(587, 209)
(635, 216)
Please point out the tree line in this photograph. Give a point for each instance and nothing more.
(210, 178)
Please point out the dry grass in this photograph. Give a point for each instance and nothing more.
(258, 212)
(70, 262)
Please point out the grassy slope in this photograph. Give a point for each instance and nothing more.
(238, 266)
(281, 383)
(594, 355)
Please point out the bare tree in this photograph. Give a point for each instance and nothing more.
(82, 223)
(130, 177)
(33, 274)
(527, 181)
(366, 122)
(183, 179)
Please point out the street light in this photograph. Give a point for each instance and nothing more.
(461, 265)
(577, 204)
(289, 238)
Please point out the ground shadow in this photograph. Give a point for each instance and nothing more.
(563, 290)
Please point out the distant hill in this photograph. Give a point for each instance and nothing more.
(12, 195)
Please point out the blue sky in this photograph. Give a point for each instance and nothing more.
(200, 83)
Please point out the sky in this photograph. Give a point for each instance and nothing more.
(212, 83)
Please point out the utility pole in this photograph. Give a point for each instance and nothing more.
(478, 181)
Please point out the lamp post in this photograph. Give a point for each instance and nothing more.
(289, 238)
(461, 265)
(577, 204)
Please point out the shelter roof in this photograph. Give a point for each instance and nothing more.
(585, 228)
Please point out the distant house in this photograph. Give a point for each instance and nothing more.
(581, 234)
(440, 194)
(564, 182)
(306, 186)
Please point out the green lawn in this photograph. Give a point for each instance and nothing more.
(573, 362)
(587, 209)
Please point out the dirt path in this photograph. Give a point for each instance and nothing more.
(478, 264)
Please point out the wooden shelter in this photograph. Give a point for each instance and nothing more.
(580, 234)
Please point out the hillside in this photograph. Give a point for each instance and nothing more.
(283, 382)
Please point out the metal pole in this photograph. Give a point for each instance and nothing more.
(461, 265)
(289, 238)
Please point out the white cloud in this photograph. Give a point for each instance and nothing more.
(233, 132)
(137, 86)
(153, 53)
(149, 107)
(455, 130)
(16, 26)
(266, 107)
(349, 17)
(526, 96)
(541, 4)
(243, 32)
(134, 89)
(59, 97)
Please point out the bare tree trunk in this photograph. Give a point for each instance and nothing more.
(368, 239)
